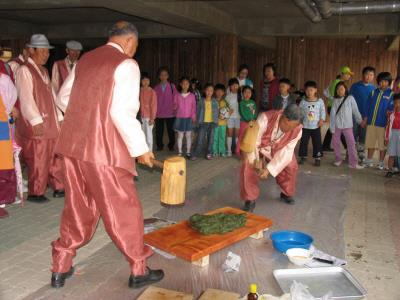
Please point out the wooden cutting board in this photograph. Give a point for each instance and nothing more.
(212, 294)
(156, 293)
(184, 242)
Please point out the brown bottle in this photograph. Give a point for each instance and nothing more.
(253, 292)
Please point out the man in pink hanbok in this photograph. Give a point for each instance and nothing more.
(39, 125)
(279, 132)
(99, 141)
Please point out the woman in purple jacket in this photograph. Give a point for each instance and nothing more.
(165, 91)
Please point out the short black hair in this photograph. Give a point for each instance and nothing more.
(285, 80)
(219, 86)
(269, 65)
(310, 83)
(184, 78)
(233, 81)
(144, 75)
(207, 85)
(384, 76)
(247, 87)
(341, 83)
(123, 28)
(396, 96)
(243, 67)
(368, 69)
(162, 69)
(195, 81)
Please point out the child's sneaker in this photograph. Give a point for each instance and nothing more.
(368, 163)
(180, 154)
(193, 158)
(302, 160)
(188, 155)
(337, 163)
(229, 154)
(223, 155)
(381, 165)
(317, 162)
(209, 157)
(357, 167)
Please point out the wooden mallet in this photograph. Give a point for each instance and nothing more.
(173, 180)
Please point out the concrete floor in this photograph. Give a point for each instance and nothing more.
(371, 231)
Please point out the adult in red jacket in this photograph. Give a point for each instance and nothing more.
(269, 87)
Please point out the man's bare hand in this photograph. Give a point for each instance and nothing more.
(263, 174)
(15, 113)
(320, 123)
(37, 130)
(146, 159)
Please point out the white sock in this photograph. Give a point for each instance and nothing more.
(180, 141)
(229, 144)
(188, 135)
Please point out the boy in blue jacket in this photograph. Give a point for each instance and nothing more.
(380, 103)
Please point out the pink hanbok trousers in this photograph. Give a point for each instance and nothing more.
(93, 191)
(249, 180)
(242, 129)
(44, 167)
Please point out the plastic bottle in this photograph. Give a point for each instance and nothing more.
(253, 292)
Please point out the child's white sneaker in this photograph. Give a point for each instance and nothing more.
(229, 154)
(381, 165)
(357, 167)
(368, 163)
(337, 163)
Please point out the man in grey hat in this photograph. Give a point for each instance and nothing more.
(38, 126)
(62, 68)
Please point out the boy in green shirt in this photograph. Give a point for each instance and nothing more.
(219, 146)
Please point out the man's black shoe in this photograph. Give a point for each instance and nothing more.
(58, 279)
(151, 276)
(58, 193)
(302, 160)
(389, 174)
(37, 199)
(287, 199)
(249, 206)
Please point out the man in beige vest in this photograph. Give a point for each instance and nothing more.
(99, 141)
(62, 68)
(39, 125)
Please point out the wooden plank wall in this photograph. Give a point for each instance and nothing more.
(255, 59)
(184, 57)
(320, 59)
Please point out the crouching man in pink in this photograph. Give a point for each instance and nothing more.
(279, 132)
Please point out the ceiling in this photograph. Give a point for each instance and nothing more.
(256, 22)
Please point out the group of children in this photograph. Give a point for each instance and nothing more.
(215, 119)
(365, 114)
(218, 117)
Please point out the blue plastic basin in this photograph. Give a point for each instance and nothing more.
(285, 239)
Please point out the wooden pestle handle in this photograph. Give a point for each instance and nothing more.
(158, 164)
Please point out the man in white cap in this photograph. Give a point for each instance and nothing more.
(62, 68)
(39, 127)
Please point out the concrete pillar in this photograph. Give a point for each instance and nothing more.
(224, 60)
